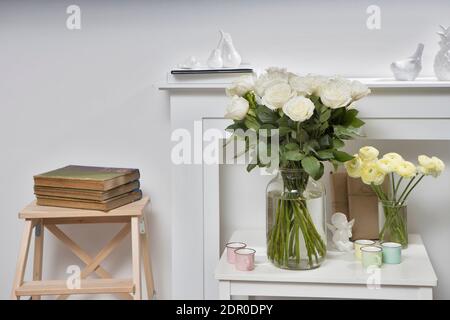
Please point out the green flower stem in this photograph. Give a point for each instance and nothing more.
(396, 187)
(393, 184)
(293, 217)
(394, 225)
(401, 200)
(379, 192)
(406, 188)
(293, 227)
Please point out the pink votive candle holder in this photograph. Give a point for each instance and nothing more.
(231, 248)
(245, 259)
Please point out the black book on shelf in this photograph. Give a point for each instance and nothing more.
(211, 71)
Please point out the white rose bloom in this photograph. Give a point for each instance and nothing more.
(277, 95)
(278, 72)
(359, 90)
(258, 99)
(352, 106)
(317, 83)
(271, 77)
(237, 109)
(241, 86)
(336, 93)
(303, 85)
(299, 108)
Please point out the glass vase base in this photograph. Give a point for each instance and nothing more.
(303, 264)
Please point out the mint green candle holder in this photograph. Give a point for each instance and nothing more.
(371, 256)
(392, 252)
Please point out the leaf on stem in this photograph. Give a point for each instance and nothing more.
(342, 156)
(326, 154)
(312, 166)
(265, 115)
(294, 155)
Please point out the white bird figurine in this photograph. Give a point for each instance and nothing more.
(342, 231)
(408, 69)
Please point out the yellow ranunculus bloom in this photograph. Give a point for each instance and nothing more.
(368, 153)
(354, 167)
(387, 165)
(406, 169)
(423, 170)
(438, 164)
(393, 157)
(425, 161)
(430, 166)
(370, 173)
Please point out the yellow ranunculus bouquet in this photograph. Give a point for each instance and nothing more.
(404, 176)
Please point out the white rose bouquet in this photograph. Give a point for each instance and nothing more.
(404, 177)
(314, 115)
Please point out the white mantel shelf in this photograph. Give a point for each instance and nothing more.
(396, 110)
(392, 83)
(370, 82)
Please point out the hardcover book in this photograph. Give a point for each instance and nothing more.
(85, 194)
(84, 177)
(106, 205)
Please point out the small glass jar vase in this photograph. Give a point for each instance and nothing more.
(393, 223)
(296, 228)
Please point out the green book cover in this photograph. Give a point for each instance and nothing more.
(86, 177)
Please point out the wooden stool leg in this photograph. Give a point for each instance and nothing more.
(80, 253)
(38, 252)
(136, 257)
(147, 260)
(22, 259)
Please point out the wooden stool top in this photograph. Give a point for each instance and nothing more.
(34, 211)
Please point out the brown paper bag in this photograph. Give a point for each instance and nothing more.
(363, 207)
(339, 194)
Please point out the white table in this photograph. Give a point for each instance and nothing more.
(340, 276)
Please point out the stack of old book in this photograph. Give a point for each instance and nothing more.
(82, 187)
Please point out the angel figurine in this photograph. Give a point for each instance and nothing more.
(342, 231)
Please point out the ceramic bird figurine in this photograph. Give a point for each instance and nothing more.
(442, 60)
(408, 69)
(342, 231)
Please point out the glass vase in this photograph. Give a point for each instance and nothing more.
(296, 229)
(392, 219)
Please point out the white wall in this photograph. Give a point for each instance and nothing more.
(90, 96)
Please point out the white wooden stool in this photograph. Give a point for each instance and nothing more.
(40, 218)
